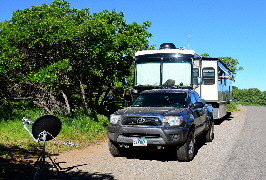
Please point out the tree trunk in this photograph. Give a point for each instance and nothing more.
(83, 94)
(68, 107)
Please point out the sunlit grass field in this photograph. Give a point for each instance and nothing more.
(16, 142)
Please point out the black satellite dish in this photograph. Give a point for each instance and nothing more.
(48, 123)
(45, 128)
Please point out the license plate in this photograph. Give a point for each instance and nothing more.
(139, 142)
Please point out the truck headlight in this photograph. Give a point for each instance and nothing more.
(173, 120)
(114, 118)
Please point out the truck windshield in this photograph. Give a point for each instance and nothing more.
(161, 100)
(163, 71)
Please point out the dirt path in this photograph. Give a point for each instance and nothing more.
(90, 151)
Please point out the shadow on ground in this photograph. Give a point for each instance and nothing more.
(227, 117)
(22, 170)
(25, 169)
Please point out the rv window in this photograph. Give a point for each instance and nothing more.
(195, 75)
(220, 74)
(177, 71)
(148, 74)
(208, 76)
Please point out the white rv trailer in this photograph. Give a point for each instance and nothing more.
(216, 87)
(172, 67)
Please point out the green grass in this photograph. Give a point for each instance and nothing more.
(17, 144)
(232, 107)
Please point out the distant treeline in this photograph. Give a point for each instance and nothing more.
(249, 97)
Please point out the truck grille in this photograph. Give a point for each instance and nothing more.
(146, 136)
(141, 121)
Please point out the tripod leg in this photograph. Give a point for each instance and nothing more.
(39, 163)
(57, 167)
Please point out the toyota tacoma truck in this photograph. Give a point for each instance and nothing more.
(161, 119)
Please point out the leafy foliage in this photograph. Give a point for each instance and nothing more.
(67, 57)
(230, 62)
(249, 97)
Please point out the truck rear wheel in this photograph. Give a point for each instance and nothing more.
(209, 135)
(115, 150)
(186, 152)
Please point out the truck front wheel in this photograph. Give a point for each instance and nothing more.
(186, 152)
(115, 150)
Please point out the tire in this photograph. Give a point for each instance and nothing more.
(115, 150)
(186, 152)
(209, 135)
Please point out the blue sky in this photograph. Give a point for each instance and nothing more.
(221, 28)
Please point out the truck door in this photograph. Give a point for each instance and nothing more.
(198, 113)
(203, 111)
(195, 112)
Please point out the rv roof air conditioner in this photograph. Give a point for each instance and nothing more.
(167, 46)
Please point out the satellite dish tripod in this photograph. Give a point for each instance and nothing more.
(41, 125)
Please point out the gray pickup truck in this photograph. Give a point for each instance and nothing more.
(161, 119)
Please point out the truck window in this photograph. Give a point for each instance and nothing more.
(161, 100)
(197, 97)
(208, 76)
(192, 98)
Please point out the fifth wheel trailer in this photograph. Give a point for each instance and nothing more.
(171, 67)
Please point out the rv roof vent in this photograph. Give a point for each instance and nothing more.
(167, 46)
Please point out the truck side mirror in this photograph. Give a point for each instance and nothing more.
(198, 105)
(200, 80)
(203, 101)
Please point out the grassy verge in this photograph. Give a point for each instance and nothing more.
(17, 145)
(232, 107)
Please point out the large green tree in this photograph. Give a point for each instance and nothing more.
(63, 57)
(231, 63)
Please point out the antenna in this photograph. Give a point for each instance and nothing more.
(188, 40)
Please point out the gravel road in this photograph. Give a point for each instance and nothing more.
(248, 157)
(224, 158)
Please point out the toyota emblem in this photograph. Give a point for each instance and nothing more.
(141, 120)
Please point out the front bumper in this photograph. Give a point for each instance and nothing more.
(155, 136)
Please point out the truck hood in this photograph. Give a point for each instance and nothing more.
(150, 110)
